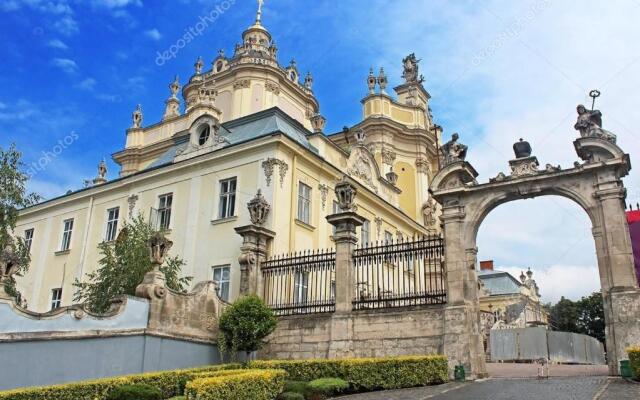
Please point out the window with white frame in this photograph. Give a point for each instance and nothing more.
(113, 214)
(56, 298)
(336, 209)
(164, 210)
(304, 203)
(388, 237)
(222, 275)
(28, 238)
(226, 208)
(365, 232)
(301, 286)
(67, 230)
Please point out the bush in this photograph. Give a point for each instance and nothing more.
(135, 392)
(245, 324)
(296, 386)
(320, 389)
(291, 396)
(168, 382)
(244, 385)
(367, 374)
(634, 359)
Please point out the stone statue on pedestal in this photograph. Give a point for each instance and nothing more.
(589, 124)
(453, 151)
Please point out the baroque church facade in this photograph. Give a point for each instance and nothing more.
(248, 124)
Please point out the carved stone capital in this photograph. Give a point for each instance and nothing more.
(269, 166)
(524, 166)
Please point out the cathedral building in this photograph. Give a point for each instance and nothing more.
(245, 125)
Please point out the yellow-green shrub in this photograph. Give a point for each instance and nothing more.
(169, 382)
(634, 359)
(367, 373)
(246, 384)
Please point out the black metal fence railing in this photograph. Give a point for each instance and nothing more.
(400, 274)
(300, 283)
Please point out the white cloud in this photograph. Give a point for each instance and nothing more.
(60, 9)
(87, 84)
(117, 3)
(111, 98)
(22, 110)
(57, 44)
(65, 64)
(153, 34)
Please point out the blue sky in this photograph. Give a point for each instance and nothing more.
(72, 72)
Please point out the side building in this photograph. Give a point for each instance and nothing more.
(246, 125)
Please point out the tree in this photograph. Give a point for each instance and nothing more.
(591, 316)
(245, 324)
(584, 316)
(123, 266)
(13, 197)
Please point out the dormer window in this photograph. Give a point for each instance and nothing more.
(203, 137)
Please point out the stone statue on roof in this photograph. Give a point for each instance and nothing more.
(137, 117)
(453, 151)
(589, 124)
(410, 73)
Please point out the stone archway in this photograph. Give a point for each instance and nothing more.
(595, 185)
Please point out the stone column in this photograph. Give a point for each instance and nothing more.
(253, 253)
(255, 240)
(345, 239)
(462, 336)
(620, 293)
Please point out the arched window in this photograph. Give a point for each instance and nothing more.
(204, 135)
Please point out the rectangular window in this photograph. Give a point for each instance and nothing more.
(336, 209)
(304, 203)
(222, 275)
(388, 237)
(227, 198)
(28, 238)
(66, 235)
(112, 224)
(164, 211)
(56, 298)
(301, 286)
(365, 232)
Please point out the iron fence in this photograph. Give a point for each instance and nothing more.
(399, 274)
(300, 283)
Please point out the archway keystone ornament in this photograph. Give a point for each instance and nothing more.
(595, 185)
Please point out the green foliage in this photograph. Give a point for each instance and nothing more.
(245, 324)
(296, 386)
(291, 396)
(135, 392)
(123, 266)
(634, 359)
(366, 374)
(13, 197)
(178, 398)
(167, 381)
(247, 384)
(326, 387)
(584, 316)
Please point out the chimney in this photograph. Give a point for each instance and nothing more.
(486, 265)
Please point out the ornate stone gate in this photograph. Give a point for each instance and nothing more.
(595, 184)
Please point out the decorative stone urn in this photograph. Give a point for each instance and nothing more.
(345, 193)
(318, 122)
(522, 149)
(159, 246)
(258, 209)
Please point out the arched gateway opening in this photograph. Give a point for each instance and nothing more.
(595, 185)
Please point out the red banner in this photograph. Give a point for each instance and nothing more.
(633, 219)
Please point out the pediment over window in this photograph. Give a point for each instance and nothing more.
(204, 137)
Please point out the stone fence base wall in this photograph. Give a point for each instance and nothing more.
(378, 333)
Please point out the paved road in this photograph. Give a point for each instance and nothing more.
(573, 388)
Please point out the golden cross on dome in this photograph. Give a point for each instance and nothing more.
(259, 15)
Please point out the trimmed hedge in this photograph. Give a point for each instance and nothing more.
(634, 359)
(243, 385)
(170, 383)
(366, 374)
(135, 392)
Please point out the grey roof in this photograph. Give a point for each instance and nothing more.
(264, 123)
(499, 282)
